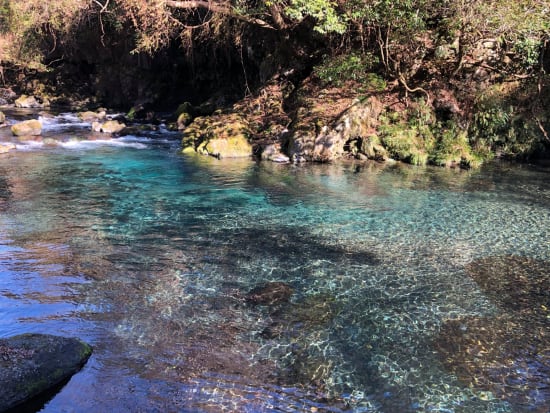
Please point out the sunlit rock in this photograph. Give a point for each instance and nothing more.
(111, 126)
(89, 116)
(25, 101)
(6, 147)
(31, 364)
(220, 135)
(322, 142)
(274, 153)
(31, 127)
(2, 118)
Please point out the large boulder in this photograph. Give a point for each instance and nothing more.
(89, 116)
(31, 127)
(31, 364)
(25, 101)
(324, 143)
(111, 126)
(223, 135)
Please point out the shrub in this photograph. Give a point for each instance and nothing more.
(357, 67)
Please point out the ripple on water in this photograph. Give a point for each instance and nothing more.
(151, 256)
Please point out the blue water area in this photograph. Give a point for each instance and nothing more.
(150, 255)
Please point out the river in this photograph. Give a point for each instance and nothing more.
(402, 278)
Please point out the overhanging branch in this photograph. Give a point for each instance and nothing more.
(217, 7)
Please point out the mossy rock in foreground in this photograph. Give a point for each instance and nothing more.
(31, 364)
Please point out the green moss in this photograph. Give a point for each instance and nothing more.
(408, 144)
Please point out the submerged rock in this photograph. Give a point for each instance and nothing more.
(270, 294)
(508, 354)
(31, 364)
(31, 127)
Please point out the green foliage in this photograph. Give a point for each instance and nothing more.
(408, 135)
(5, 14)
(323, 11)
(501, 128)
(337, 70)
(453, 148)
(528, 50)
(490, 124)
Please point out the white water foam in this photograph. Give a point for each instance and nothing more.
(120, 142)
(62, 121)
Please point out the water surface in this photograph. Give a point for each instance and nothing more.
(149, 255)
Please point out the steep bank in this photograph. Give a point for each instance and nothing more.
(423, 84)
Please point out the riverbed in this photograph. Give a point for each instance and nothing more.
(149, 255)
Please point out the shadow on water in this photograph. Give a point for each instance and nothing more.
(508, 354)
(168, 248)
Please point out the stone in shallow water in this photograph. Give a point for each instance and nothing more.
(508, 354)
(31, 364)
(519, 284)
(269, 294)
(6, 147)
(31, 127)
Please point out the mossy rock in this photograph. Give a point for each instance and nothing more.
(233, 147)
(185, 107)
(31, 364)
(25, 101)
(221, 135)
(31, 127)
(453, 150)
(372, 147)
(184, 119)
(406, 144)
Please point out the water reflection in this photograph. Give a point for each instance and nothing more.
(150, 257)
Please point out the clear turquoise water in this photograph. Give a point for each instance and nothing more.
(147, 255)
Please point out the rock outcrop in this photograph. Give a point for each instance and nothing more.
(31, 364)
(325, 143)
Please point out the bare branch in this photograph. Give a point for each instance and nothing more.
(103, 7)
(217, 7)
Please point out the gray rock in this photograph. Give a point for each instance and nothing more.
(31, 364)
